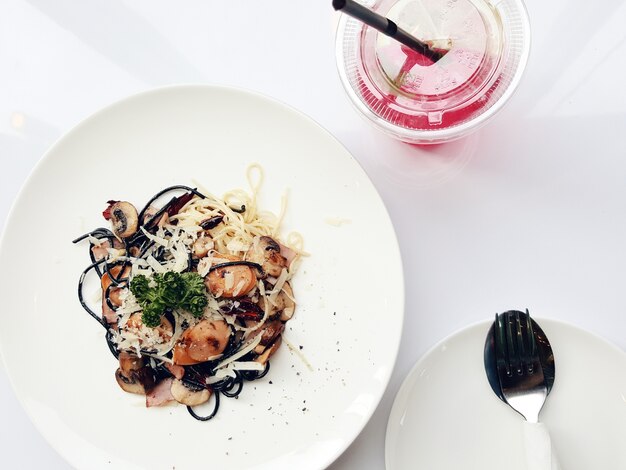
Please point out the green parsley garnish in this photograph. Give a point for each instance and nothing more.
(170, 290)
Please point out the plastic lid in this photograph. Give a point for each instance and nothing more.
(419, 101)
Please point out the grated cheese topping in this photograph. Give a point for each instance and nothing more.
(169, 249)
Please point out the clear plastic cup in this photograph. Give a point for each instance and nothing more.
(420, 102)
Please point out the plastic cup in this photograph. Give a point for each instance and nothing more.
(412, 99)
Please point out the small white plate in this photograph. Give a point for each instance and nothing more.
(295, 417)
(446, 417)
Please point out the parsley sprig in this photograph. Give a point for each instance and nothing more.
(170, 290)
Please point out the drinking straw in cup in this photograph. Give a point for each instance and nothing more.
(480, 51)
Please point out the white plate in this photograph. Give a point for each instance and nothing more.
(446, 417)
(55, 353)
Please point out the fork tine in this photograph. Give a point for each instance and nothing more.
(512, 353)
(501, 354)
(533, 359)
(531, 332)
(521, 350)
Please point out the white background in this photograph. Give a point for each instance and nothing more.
(528, 212)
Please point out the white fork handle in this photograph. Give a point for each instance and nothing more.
(539, 452)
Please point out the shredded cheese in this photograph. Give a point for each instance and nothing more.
(242, 352)
(278, 287)
(234, 237)
(229, 280)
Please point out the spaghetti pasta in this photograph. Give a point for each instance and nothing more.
(198, 283)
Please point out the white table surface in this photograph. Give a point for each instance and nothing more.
(528, 212)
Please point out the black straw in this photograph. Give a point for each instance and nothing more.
(387, 27)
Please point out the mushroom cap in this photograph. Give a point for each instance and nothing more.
(130, 363)
(124, 219)
(202, 246)
(133, 375)
(288, 304)
(189, 397)
(269, 333)
(283, 303)
(266, 252)
(269, 351)
(139, 382)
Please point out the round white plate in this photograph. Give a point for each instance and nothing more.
(446, 417)
(295, 417)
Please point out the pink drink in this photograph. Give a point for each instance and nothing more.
(418, 101)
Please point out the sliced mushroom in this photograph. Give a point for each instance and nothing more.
(130, 363)
(124, 219)
(211, 222)
(285, 299)
(283, 303)
(201, 342)
(269, 333)
(184, 395)
(269, 351)
(266, 252)
(133, 375)
(202, 246)
(230, 281)
(129, 385)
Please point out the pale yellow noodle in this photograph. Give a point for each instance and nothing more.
(239, 227)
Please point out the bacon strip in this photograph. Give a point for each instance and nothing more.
(161, 394)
